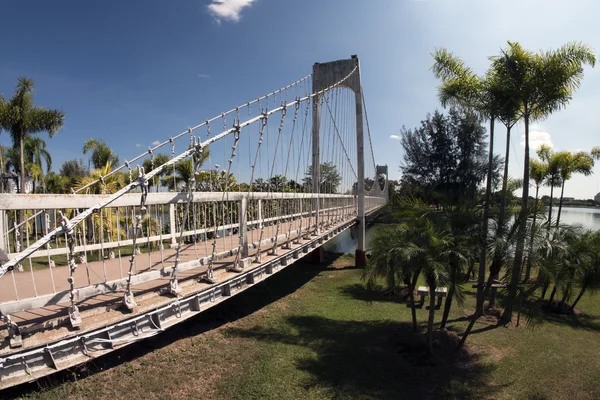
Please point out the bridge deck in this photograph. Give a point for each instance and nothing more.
(107, 328)
(100, 309)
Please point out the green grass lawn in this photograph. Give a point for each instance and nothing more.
(314, 332)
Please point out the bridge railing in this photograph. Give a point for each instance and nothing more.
(105, 241)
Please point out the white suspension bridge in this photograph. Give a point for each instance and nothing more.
(187, 224)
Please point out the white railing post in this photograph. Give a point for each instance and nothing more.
(172, 227)
(243, 226)
(260, 218)
(3, 227)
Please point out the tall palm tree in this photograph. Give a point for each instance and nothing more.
(485, 95)
(101, 153)
(21, 118)
(541, 84)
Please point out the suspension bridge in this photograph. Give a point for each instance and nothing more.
(187, 224)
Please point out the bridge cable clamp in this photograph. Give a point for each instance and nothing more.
(14, 333)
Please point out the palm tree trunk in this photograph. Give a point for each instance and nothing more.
(474, 319)
(20, 217)
(431, 316)
(551, 299)
(448, 303)
(522, 230)
(562, 192)
(579, 296)
(496, 262)
(531, 237)
(447, 306)
(545, 289)
(502, 211)
(565, 295)
(484, 225)
(551, 202)
(411, 293)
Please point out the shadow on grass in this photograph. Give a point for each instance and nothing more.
(367, 359)
(581, 321)
(359, 291)
(241, 305)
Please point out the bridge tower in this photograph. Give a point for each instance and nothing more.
(324, 76)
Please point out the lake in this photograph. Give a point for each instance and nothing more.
(589, 218)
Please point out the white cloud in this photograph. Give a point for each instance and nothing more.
(155, 143)
(536, 139)
(229, 10)
(138, 145)
(204, 76)
(395, 137)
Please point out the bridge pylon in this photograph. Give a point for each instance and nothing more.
(326, 75)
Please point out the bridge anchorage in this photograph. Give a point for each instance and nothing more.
(187, 224)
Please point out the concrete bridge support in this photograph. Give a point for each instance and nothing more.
(324, 76)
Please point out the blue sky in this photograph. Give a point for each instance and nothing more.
(132, 72)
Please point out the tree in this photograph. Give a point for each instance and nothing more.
(102, 155)
(487, 96)
(446, 156)
(552, 166)
(540, 84)
(389, 262)
(73, 169)
(179, 176)
(55, 183)
(435, 244)
(539, 172)
(37, 155)
(329, 175)
(71, 172)
(151, 163)
(112, 183)
(21, 118)
(587, 275)
(432, 249)
(569, 164)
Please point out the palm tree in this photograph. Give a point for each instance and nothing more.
(102, 155)
(112, 183)
(36, 156)
(588, 272)
(388, 262)
(435, 251)
(183, 171)
(569, 164)
(485, 95)
(152, 163)
(21, 118)
(539, 171)
(541, 84)
(552, 165)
